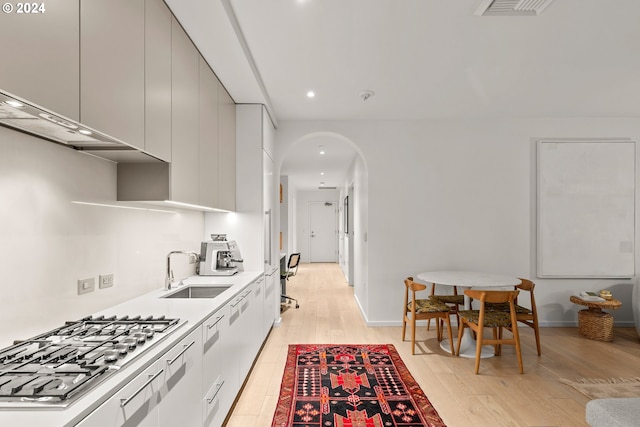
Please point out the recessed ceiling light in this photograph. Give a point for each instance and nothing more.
(85, 132)
(321, 173)
(311, 94)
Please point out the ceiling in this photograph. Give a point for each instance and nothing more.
(424, 59)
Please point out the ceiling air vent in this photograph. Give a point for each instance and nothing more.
(512, 7)
(326, 188)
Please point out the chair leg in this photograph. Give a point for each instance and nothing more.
(439, 330)
(428, 324)
(479, 335)
(461, 327)
(404, 325)
(413, 336)
(537, 333)
(516, 337)
(448, 321)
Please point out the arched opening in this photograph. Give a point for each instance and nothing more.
(323, 168)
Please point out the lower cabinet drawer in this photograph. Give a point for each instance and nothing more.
(214, 407)
(181, 389)
(136, 404)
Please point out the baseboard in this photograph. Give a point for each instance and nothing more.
(543, 324)
(559, 324)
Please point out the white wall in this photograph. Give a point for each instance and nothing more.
(458, 195)
(47, 243)
(284, 214)
(360, 231)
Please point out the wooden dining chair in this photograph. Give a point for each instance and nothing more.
(498, 321)
(525, 315)
(420, 309)
(454, 301)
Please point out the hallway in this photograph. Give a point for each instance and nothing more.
(499, 396)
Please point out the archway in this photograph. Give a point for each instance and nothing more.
(344, 167)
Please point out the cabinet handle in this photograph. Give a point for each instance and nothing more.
(218, 387)
(215, 323)
(186, 347)
(238, 301)
(125, 402)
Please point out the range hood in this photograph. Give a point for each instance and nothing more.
(22, 115)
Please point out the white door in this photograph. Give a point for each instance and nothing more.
(323, 226)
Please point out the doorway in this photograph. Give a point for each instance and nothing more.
(323, 232)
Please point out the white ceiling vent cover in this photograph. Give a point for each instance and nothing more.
(512, 7)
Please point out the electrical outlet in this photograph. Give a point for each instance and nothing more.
(105, 281)
(86, 285)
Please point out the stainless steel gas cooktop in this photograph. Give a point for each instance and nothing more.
(55, 368)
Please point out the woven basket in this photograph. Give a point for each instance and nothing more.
(595, 325)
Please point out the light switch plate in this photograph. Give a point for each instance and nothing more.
(86, 285)
(105, 281)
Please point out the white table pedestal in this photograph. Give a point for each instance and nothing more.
(468, 347)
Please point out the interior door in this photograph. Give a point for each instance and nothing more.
(323, 226)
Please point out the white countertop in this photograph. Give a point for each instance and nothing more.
(193, 311)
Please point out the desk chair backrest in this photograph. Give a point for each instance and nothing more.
(292, 266)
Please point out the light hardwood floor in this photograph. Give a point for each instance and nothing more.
(498, 396)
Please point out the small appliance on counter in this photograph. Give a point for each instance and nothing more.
(218, 257)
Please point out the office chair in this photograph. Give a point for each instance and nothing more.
(292, 269)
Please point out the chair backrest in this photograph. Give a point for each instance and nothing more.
(294, 260)
(292, 266)
(527, 285)
(410, 285)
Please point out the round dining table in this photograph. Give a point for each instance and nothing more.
(467, 280)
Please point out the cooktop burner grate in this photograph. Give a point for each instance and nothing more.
(60, 364)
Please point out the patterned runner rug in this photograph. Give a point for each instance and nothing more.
(357, 385)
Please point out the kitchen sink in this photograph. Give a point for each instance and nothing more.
(199, 292)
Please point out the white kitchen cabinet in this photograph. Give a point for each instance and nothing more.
(125, 78)
(270, 302)
(208, 166)
(167, 393)
(217, 377)
(226, 150)
(185, 68)
(135, 404)
(181, 387)
(245, 328)
(257, 316)
(41, 56)
(251, 232)
(157, 79)
(112, 68)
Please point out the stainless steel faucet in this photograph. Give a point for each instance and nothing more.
(193, 258)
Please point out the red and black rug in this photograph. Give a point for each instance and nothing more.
(358, 385)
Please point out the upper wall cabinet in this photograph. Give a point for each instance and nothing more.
(226, 151)
(112, 68)
(40, 56)
(185, 70)
(208, 135)
(157, 103)
(125, 79)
